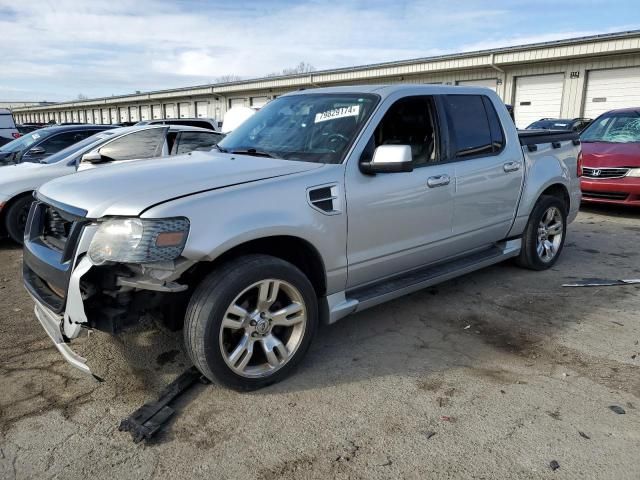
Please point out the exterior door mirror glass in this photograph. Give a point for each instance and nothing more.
(389, 159)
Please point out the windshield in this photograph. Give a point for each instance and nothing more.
(312, 128)
(551, 125)
(81, 146)
(24, 142)
(623, 127)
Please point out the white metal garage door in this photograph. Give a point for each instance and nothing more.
(114, 115)
(124, 114)
(538, 96)
(96, 116)
(144, 112)
(236, 102)
(105, 116)
(202, 109)
(487, 83)
(184, 110)
(169, 110)
(156, 110)
(259, 102)
(133, 114)
(609, 89)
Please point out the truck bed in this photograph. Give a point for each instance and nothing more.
(533, 137)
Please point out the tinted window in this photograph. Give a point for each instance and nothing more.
(497, 135)
(190, 141)
(144, 144)
(6, 120)
(55, 143)
(191, 123)
(468, 125)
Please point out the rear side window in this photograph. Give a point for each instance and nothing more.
(144, 144)
(190, 141)
(58, 142)
(190, 123)
(6, 121)
(497, 135)
(468, 125)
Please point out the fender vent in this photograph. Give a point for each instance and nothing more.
(325, 199)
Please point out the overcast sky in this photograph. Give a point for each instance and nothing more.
(57, 49)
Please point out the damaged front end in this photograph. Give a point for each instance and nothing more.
(100, 275)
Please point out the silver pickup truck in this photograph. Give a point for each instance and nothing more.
(324, 203)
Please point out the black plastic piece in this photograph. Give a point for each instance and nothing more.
(146, 421)
(528, 137)
(532, 147)
(556, 144)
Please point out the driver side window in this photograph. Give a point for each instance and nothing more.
(409, 121)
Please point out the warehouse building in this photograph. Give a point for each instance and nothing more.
(579, 77)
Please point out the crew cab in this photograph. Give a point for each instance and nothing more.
(324, 203)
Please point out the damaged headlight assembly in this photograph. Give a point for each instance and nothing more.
(138, 240)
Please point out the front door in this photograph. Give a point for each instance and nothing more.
(398, 221)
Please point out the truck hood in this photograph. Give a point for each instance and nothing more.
(130, 188)
(602, 154)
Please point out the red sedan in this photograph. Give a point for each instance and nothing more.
(611, 158)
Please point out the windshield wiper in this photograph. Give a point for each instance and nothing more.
(253, 152)
(220, 149)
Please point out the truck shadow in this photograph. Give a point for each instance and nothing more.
(612, 210)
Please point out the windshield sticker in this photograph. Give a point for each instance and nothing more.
(342, 112)
(35, 136)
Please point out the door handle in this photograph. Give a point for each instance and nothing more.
(438, 181)
(511, 167)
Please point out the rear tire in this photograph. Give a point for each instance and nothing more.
(16, 218)
(250, 322)
(544, 236)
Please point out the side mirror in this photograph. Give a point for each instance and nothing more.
(36, 151)
(389, 159)
(92, 157)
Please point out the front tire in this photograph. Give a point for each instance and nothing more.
(544, 236)
(250, 322)
(16, 218)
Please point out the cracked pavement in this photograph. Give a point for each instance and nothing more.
(492, 375)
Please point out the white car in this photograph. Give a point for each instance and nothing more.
(8, 130)
(17, 182)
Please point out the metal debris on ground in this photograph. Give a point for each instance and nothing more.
(584, 435)
(146, 421)
(554, 465)
(617, 409)
(602, 282)
(429, 434)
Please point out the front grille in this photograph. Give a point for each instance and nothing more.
(56, 229)
(592, 172)
(606, 195)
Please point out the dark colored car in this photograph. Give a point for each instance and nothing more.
(573, 124)
(24, 129)
(38, 145)
(611, 158)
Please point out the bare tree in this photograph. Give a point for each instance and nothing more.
(302, 67)
(81, 96)
(230, 77)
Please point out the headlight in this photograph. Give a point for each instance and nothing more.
(634, 172)
(137, 240)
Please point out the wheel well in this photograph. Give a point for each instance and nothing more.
(560, 191)
(294, 250)
(3, 212)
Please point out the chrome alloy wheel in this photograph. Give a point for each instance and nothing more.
(263, 328)
(550, 232)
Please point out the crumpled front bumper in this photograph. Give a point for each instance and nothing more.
(52, 324)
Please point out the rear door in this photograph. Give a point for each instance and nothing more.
(488, 172)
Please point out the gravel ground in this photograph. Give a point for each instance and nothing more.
(494, 375)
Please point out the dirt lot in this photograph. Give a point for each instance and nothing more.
(490, 376)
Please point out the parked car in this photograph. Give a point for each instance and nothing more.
(249, 244)
(37, 146)
(573, 124)
(113, 146)
(24, 129)
(611, 158)
(8, 130)
(208, 123)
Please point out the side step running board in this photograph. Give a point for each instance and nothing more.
(371, 295)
